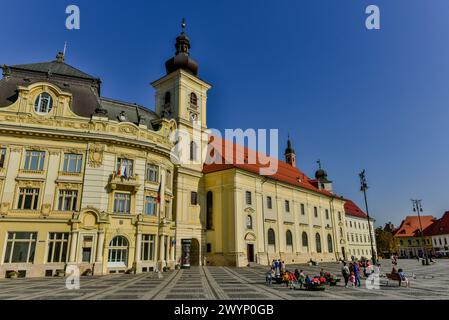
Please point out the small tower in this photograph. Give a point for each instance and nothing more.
(290, 155)
(321, 177)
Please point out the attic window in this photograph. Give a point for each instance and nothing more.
(43, 104)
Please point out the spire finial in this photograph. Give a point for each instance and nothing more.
(183, 25)
(65, 48)
(319, 164)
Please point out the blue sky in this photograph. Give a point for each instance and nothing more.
(351, 97)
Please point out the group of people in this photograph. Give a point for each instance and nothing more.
(352, 272)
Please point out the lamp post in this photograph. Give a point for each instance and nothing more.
(363, 188)
(418, 208)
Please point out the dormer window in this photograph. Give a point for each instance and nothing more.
(122, 117)
(193, 99)
(43, 104)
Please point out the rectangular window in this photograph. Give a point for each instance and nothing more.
(20, 247)
(303, 209)
(152, 173)
(315, 212)
(339, 216)
(327, 214)
(125, 167)
(209, 247)
(287, 206)
(269, 203)
(68, 200)
(147, 247)
(122, 203)
(28, 199)
(248, 197)
(72, 163)
(193, 198)
(2, 157)
(150, 206)
(57, 247)
(34, 160)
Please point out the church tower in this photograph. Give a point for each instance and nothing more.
(181, 95)
(290, 155)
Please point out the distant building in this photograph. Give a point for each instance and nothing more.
(439, 233)
(408, 237)
(390, 227)
(358, 232)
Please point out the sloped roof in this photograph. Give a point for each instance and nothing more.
(410, 226)
(441, 226)
(54, 67)
(352, 209)
(252, 161)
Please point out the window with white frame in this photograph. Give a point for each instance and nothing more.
(249, 222)
(34, 160)
(152, 173)
(72, 163)
(118, 251)
(150, 205)
(122, 203)
(57, 247)
(148, 247)
(28, 199)
(20, 247)
(68, 200)
(2, 157)
(43, 103)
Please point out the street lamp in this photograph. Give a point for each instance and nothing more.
(363, 188)
(418, 208)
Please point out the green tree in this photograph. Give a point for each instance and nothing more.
(385, 242)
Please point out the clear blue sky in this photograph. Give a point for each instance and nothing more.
(351, 97)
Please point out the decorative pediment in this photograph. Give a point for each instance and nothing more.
(250, 236)
(249, 210)
(96, 155)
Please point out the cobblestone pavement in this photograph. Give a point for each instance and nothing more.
(427, 282)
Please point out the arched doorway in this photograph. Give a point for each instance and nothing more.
(195, 253)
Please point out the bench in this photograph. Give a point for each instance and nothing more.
(395, 277)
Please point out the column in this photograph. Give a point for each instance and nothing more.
(138, 246)
(172, 249)
(73, 246)
(100, 243)
(167, 248)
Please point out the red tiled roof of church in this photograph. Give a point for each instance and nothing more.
(252, 161)
(440, 226)
(352, 209)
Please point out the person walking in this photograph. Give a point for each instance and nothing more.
(268, 278)
(345, 273)
(357, 274)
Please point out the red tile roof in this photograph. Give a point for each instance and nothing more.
(352, 209)
(252, 161)
(440, 226)
(410, 226)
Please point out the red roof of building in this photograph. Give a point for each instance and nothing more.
(440, 226)
(352, 209)
(410, 226)
(252, 161)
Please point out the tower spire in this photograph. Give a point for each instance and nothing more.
(290, 155)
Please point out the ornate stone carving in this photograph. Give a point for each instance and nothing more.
(96, 151)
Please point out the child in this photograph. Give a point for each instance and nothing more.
(352, 279)
(268, 278)
(292, 280)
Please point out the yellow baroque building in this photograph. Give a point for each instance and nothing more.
(91, 182)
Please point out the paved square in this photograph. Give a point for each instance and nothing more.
(427, 282)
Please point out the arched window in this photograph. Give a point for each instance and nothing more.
(167, 98)
(209, 213)
(118, 251)
(305, 240)
(249, 222)
(271, 237)
(193, 151)
(289, 238)
(193, 99)
(329, 243)
(318, 243)
(43, 103)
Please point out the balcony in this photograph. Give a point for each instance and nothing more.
(130, 183)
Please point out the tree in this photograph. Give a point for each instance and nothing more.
(385, 242)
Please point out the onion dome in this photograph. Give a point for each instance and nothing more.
(182, 59)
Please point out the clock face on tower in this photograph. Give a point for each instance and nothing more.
(193, 116)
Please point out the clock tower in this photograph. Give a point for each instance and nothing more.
(181, 95)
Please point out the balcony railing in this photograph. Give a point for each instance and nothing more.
(120, 182)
